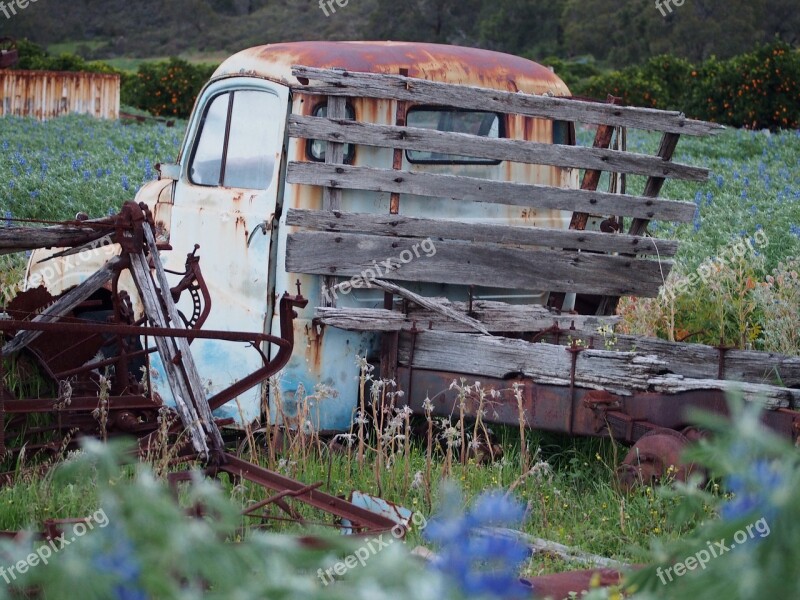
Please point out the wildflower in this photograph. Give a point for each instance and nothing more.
(480, 562)
(751, 491)
(120, 562)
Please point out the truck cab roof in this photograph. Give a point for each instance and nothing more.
(434, 62)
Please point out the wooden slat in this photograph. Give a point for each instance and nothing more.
(618, 372)
(402, 226)
(17, 239)
(332, 196)
(591, 177)
(184, 353)
(485, 190)
(463, 144)
(496, 316)
(373, 85)
(466, 263)
(334, 153)
(702, 362)
(669, 141)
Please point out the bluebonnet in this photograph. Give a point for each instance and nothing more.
(125, 183)
(794, 230)
(480, 562)
(751, 492)
(120, 562)
(8, 218)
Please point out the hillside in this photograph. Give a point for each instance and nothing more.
(616, 34)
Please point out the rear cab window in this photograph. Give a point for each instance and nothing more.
(481, 123)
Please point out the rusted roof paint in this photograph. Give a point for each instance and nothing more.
(434, 62)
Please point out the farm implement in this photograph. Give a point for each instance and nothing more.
(88, 344)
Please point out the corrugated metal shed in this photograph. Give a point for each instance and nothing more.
(48, 94)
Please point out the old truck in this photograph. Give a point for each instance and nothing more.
(432, 204)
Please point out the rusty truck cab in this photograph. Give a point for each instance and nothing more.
(228, 192)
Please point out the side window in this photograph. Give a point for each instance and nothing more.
(316, 148)
(237, 143)
(485, 124)
(207, 158)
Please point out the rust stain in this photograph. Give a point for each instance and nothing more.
(314, 334)
(434, 62)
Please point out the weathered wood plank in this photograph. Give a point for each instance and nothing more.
(431, 304)
(402, 226)
(184, 352)
(485, 190)
(371, 85)
(618, 372)
(19, 239)
(334, 152)
(591, 177)
(702, 362)
(167, 349)
(557, 155)
(465, 263)
(497, 317)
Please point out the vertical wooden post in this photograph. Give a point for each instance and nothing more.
(332, 197)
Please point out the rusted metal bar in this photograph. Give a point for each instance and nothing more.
(360, 518)
(76, 326)
(281, 495)
(283, 355)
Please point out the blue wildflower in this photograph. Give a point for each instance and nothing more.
(720, 181)
(480, 561)
(794, 230)
(120, 562)
(87, 175)
(751, 492)
(8, 217)
(99, 173)
(125, 183)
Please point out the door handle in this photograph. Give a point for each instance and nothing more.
(264, 227)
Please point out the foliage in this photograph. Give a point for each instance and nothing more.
(147, 547)
(615, 34)
(478, 563)
(34, 57)
(760, 516)
(760, 89)
(167, 88)
(747, 218)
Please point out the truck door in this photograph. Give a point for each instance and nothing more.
(226, 199)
